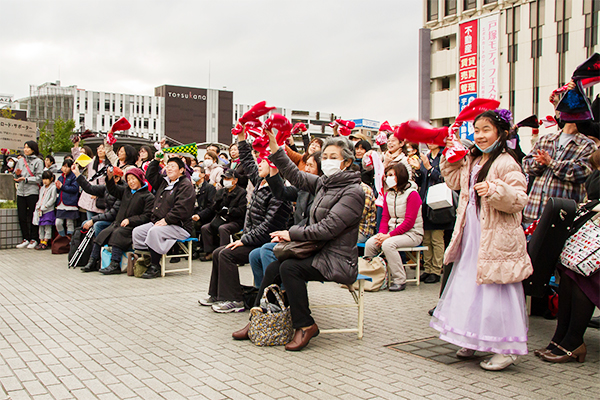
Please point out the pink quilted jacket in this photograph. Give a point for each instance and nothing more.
(502, 254)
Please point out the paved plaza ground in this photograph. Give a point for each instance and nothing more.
(69, 335)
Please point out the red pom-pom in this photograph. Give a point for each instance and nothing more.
(254, 128)
(257, 110)
(421, 132)
(299, 128)
(121, 125)
(239, 128)
(386, 127)
(283, 126)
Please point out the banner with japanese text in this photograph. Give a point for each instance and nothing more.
(488, 57)
(14, 133)
(467, 71)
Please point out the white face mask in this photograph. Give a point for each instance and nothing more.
(208, 163)
(195, 177)
(391, 181)
(11, 164)
(227, 184)
(331, 167)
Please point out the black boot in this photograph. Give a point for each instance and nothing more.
(91, 266)
(152, 272)
(113, 268)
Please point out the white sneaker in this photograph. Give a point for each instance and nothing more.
(499, 361)
(32, 244)
(23, 244)
(207, 301)
(228, 306)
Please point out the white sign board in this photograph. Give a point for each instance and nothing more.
(488, 57)
(14, 133)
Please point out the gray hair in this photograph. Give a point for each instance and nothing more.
(343, 143)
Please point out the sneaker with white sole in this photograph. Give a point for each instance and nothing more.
(499, 361)
(23, 244)
(228, 306)
(32, 244)
(207, 301)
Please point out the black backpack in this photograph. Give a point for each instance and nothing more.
(81, 247)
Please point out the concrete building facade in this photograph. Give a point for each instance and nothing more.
(517, 51)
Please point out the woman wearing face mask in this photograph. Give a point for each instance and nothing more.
(401, 224)
(482, 307)
(28, 175)
(213, 169)
(334, 219)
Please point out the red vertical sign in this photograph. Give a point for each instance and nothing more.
(467, 71)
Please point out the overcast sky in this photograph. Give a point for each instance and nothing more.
(355, 58)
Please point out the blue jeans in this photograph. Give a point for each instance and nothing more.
(90, 214)
(260, 258)
(99, 226)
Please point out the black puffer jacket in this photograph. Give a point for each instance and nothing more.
(265, 213)
(334, 217)
(302, 198)
(112, 203)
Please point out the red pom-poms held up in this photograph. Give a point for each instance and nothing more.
(476, 107)
(121, 125)
(283, 126)
(386, 127)
(421, 132)
(254, 128)
(548, 121)
(239, 128)
(261, 144)
(299, 128)
(344, 127)
(257, 110)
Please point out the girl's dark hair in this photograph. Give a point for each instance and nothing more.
(415, 146)
(306, 155)
(317, 157)
(34, 147)
(364, 144)
(51, 158)
(401, 176)
(48, 175)
(149, 151)
(503, 128)
(88, 151)
(97, 161)
(68, 162)
(131, 154)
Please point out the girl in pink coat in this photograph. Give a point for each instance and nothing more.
(483, 305)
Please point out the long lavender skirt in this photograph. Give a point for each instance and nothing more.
(490, 317)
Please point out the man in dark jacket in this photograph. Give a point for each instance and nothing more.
(265, 215)
(205, 199)
(112, 204)
(228, 213)
(171, 215)
(135, 210)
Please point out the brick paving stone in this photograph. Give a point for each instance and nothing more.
(71, 331)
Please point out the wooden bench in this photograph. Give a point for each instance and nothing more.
(359, 304)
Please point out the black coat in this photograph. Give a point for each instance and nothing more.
(265, 214)
(205, 200)
(176, 206)
(136, 207)
(302, 198)
(112, 204)
(334, 217)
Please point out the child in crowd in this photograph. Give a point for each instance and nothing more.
(483, 305)
(44, 214)
(68, 196)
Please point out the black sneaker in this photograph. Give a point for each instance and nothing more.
(174, 260)
(113, 268)
(432, 278)
(91, 266)
(424, 276)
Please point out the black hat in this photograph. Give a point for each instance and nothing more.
(230, 173)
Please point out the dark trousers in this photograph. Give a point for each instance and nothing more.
(293, 274)
(209, 236)
(225, 276)
(25, 210)
(575, 310)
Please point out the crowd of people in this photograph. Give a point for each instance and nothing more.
(339, 192)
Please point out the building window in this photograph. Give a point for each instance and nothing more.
(590, 10)
(489, 1)
(145, 124)
(445, 43)
(107, 105)
(445, 121)
(446, 83)
(432, 10)
(469, 4)
(449, 7)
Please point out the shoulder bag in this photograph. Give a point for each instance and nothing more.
(298, 250)
(581, 252)
(269, 327)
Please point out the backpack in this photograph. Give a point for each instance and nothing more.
(80, 248)
(61, 245)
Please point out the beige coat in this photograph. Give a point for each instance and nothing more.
(502, 254)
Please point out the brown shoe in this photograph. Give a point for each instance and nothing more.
(302, 337)
(576, 355)
(242, 334)
(539, 352)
